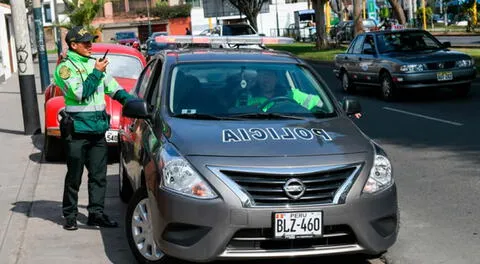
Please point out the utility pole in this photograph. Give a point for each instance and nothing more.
(28, 91)
(57, 28)
(424, 16)
(43, 59)
(276, 14)
(148, 16)
(410, 13)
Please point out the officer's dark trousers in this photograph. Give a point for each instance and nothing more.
(90, 151)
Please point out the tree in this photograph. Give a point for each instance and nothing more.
(82, 13)
(319, 7)
(250, 8)
(398, 11)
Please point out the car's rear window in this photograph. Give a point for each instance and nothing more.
(122, 66)
(226, 89)
(125, 35)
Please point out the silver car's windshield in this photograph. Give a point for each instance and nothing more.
(122, 66)
(247, 90)
(406, 41)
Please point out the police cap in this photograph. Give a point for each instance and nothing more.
(79, 34)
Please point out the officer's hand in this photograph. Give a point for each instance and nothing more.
(101, 65)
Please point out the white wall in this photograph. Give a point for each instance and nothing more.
(266, 22)
(5, 21)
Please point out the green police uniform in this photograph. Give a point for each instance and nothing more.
(84, 89)
(308, 101)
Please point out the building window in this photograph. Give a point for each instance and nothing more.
(47, 13)
(193, 3)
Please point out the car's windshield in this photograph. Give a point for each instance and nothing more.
(122, 66)
(235, 30)
(125, 35)
(406, 41)
(247, 89)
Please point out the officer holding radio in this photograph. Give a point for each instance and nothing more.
(84, 124)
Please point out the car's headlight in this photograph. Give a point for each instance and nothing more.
(413, 68)
(464, 63)
(179, 176)
(380, 175)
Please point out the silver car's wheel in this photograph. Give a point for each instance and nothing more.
(347, 86)
(142, 232)
(139, 229)
(389, 91)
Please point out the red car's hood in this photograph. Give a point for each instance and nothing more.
(126, 83)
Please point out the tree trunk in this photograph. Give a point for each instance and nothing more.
(398, 11)
(319, 5)
(357, 17)
(252, 18)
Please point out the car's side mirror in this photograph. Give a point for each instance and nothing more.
(262, 34)
(351, 106)
(447, 44)
(136, 108)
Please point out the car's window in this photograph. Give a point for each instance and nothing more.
(350, 48)
(144, 78)
(153, 90)
(357, 48)
(407, 41)
(235, 30)
(125, 35)
(368, 45)
(227, 89)
(122, 66)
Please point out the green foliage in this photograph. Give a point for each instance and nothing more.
(428, 14)
(384, 12)
(164, 11)
(82, 13)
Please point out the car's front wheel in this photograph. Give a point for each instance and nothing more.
(139, 229)
(347, 85)
(388, 88)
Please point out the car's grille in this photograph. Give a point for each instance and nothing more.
(441, 65)
(267, 189)
(262, 238)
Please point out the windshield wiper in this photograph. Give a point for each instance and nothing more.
(262, 115)
(205, 116)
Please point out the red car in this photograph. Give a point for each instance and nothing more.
(126, 64)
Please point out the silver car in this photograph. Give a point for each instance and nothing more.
(240, 154)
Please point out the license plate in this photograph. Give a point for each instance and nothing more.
(111, 136)
(444, 76)
(297, 225)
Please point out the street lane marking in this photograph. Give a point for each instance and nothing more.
(423, 116)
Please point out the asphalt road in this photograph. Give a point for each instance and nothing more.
(432, 140)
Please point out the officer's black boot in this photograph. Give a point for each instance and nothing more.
(100, 220)
(70, 224)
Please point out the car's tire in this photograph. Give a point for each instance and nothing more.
(53, 150)
(138, 236)
(462, 91)
(346, 82)
(389, 91)
(125, 190)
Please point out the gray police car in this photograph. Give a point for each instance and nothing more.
(403, 59)
(241, 154)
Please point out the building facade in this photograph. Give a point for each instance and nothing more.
(8, 60)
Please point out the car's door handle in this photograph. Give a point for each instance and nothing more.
(359, 59)
(346, 58)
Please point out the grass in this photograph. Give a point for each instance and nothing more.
(307, 51)
(54, 51)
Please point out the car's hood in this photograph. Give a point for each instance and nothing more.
(266, 138)
(428, 56)
(126, 83)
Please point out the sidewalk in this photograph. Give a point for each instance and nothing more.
(31, 194)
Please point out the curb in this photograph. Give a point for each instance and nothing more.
(12, 242)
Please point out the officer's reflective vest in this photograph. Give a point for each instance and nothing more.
(84, 90)
(308, 101)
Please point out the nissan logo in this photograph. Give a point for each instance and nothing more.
(441, 66)
(294, 188)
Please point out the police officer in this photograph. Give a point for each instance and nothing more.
(84, 83)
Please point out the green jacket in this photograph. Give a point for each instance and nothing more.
(84, 89)
(308, 101)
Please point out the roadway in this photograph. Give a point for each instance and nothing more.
(431, 138)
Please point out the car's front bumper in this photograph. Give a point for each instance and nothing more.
(228, 228)
(429, 78)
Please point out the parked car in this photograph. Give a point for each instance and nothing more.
(208, 176)
(154, 47)
(125, 66)
(128, 38)
(401, 60)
